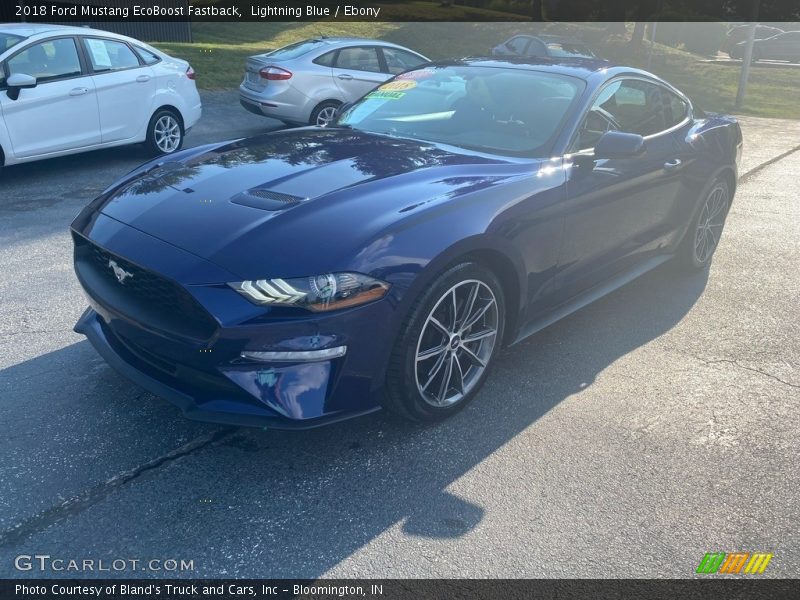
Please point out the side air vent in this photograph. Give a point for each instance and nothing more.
(266, 199)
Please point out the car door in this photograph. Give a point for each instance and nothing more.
(358, 70)
(125, 87)
(60, 113)
(619, 210)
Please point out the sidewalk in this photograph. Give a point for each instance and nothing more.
(765, 140)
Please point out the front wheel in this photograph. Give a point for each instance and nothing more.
(703, 235)
(164, 133)
(447, 345)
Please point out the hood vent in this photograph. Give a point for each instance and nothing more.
(267, 199)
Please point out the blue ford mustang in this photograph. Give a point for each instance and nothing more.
(310, 275)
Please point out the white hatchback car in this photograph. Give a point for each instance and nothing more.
(70, 89)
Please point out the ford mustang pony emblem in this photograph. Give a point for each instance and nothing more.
(119, 272)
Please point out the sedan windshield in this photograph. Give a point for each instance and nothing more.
(7, 40)
(503, 111)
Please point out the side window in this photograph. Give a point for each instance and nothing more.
(676, 109)
(517, 44)
(49, 60)
(148, 58)
(326, 60)
(631, 106)
(358, 59)
(398, 61)
(109, 55)
(636, 106)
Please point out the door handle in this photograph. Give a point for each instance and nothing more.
(672, 164)
(345, 76)
(143, 79)
(78, 91)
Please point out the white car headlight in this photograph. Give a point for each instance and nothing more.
(318, 293)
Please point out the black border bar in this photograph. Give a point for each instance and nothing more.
(750, 588)
(80, 11)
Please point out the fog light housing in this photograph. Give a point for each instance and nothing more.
(296, 355)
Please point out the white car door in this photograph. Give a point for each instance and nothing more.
(60, 113)
(125, 88)
(357, 70)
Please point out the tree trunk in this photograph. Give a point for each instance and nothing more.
(536, 10)
(637, 37)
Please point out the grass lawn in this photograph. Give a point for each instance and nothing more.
(220, 49)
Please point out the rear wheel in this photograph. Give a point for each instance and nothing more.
(164, 133)
(447, 345)
(324, 113)
(702, 238)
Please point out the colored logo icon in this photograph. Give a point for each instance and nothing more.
(734, 562)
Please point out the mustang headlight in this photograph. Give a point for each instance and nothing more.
(318, 293)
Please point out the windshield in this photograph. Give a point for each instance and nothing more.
(567, 49)
(294, 50)
(504, 111)
(7, 40)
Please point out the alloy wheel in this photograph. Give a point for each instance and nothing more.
(709, 226)
(326, 115)
(167, 134)
(456, 343)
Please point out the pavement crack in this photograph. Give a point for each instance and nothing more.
(736, 363)
(755, 170)
(77, 504)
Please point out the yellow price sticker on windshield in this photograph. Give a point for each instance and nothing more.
(398, 86)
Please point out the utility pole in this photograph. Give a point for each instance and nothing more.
(748, 56)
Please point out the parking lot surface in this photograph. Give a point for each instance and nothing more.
(627, 440)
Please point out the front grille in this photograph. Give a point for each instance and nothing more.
(143, 296)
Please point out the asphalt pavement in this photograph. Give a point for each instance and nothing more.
(627, 440)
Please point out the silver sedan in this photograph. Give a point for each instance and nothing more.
(307, 81)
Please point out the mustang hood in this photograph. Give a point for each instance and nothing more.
(295, 194)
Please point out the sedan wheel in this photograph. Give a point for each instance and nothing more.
(325, 113)
(165, 133)
(448, 345)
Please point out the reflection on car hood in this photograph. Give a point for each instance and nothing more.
(233, 203)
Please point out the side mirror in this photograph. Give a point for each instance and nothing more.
(615, 144)
(17, 82)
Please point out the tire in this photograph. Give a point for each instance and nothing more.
(435, 387)
(324, 113)
(702, 237)
(164, 132)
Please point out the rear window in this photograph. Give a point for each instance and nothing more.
(148, 58)
(295, 50)
(7, 41)
(326, 60)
